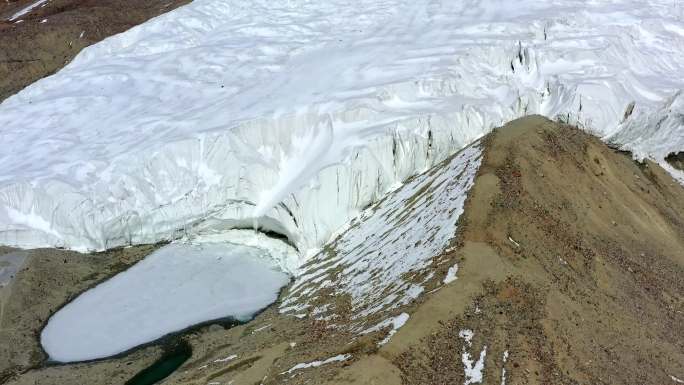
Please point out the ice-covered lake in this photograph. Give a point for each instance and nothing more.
(175, 287)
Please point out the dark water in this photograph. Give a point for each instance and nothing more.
(164, 366)
(176, 352)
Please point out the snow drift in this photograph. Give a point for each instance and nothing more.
(296, 115)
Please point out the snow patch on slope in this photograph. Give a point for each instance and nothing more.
(381, 260)
(451, 274)
(472, 369)
(315, 364)
(395, 322)
(27, 9)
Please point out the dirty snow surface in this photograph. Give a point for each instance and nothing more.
(177, 286)
(299, 114)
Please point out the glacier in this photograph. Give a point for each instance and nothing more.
(293, 116)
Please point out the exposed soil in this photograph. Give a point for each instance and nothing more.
(34, 48)
(508, 315)
(590, 244)
(570, 261)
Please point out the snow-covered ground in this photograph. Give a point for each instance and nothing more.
(315, 364)
(302, 113)
(387, 254)
(177, 286)
(27, 9)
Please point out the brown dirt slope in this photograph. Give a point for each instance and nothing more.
(571, 260)
(32, 49)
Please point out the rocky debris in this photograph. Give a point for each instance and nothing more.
(513, 306)
(676, 160)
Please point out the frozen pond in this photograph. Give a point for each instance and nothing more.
(177, 286)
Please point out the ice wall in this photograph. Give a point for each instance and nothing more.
(300, 114)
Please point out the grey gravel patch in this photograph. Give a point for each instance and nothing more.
(10, 264)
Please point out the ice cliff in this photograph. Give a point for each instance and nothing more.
(296, 115)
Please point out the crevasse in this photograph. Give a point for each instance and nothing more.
(296, 115)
